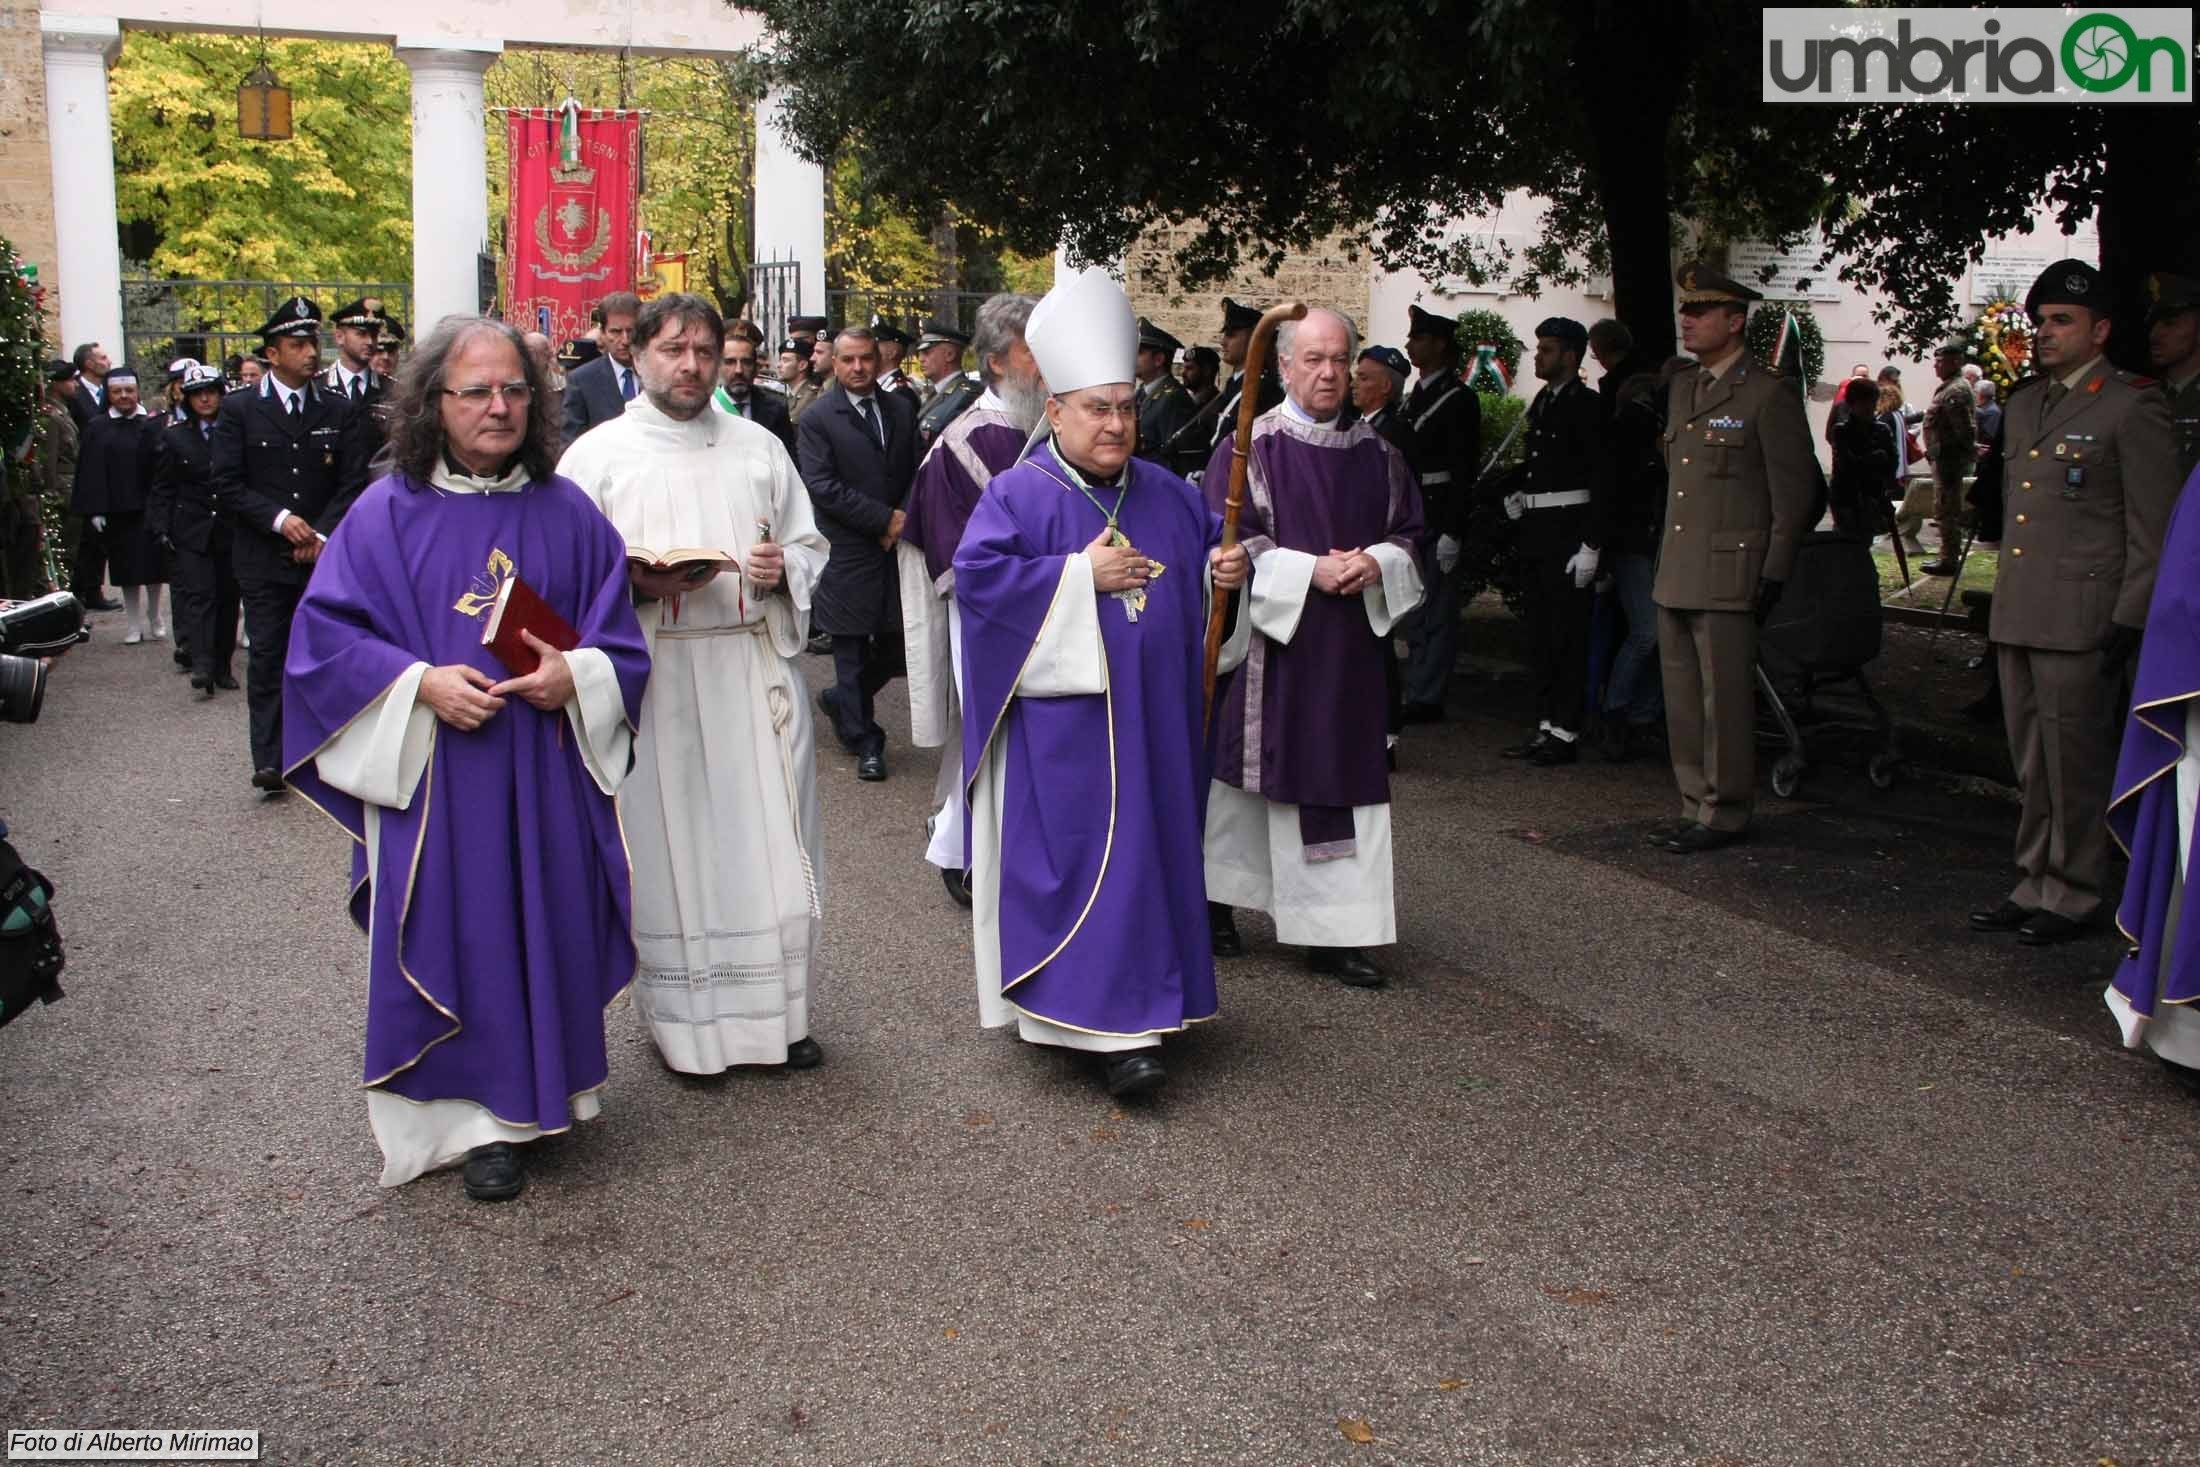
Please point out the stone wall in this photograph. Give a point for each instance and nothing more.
(1330, 274)
(26, 169)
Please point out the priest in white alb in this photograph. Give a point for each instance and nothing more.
(1298, 825)
(1083, 581)
(721, 810)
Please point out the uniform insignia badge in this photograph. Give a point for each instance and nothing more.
(2074, 283)
(1727, 422)
(299, 309)
(2060, 449)
(328, 460)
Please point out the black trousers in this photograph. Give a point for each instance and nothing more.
(205, 592)
(861, 666)
(87, 560)
(1558, 617)
(268, 608)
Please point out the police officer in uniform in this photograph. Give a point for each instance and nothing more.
(893, 344)
(288, 460)
(1163, 404)
(1741, 478)
(949, 390)
(1445, 418)
(2173, 345)
(1378, 390)
(1563, 511)
(357, 331)
(181, 511)
(1237, 335)
(2089, 475)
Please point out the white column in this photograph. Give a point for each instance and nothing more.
(790, 206)
(450, 174)
(88, 252)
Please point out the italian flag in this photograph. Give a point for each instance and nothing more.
(1787, 353)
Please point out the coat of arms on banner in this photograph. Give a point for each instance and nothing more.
(572, 233)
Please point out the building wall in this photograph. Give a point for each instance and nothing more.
(26, 170)
(1329, 275)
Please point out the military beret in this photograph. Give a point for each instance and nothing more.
(1153, 336)
(888, 331)
(2168, 294)
(1206, 356)
(181, 366)
(1566, 329)
(1428, 323)
(2069, 283)
(60, 370)
(365, 314)
(294, 317)
(1388, 356)
(805, 325)
(1238, 318)
(1703, 286)
(935, 332)
(792, 343)
(203, 376)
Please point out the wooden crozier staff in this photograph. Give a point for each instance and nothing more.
(1256, 357)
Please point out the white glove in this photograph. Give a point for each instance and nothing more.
(1516, 505)
(1447, 554)
(1583, 567)
(99, 523)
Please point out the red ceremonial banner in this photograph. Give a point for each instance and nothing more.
(569, 219)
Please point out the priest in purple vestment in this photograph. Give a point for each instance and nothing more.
(2156, 992)
(982, 441)
(1083, 581)
(488, 871)
(1298, 824)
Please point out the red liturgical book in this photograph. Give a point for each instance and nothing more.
(517, 609)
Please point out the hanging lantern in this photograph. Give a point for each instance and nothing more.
(263, 105)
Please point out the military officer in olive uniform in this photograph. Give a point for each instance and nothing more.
(287, 461)
(2173, 344)
(1163, 404)
(1563, 510)
(949, 390)
(1741, 478)
(1444, 416)
(2089, 475)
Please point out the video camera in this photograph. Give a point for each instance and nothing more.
(30, 631)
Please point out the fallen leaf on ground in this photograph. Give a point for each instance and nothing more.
(1476, 1262)
(978, 1118)
(1581, 1296)
(952, 1334)
(1449, 1384)
(1197, 1223)
(1355, 1430)
(1105, 1133)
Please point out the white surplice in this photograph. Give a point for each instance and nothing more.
(378, 759)
(720, 811)
(1256, 856)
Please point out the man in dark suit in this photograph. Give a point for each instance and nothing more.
(288, 460)
(737, 391)
(91, 383)
(600, 390)
(181, 513)
(858, 454)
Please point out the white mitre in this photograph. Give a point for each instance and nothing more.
(1084, 333)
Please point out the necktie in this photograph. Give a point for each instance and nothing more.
(626, 383)
(2055, 393)
(1704, 382)
(206, 428)
(290, 404)
(870, 419)
(358, 388)
(740, 406)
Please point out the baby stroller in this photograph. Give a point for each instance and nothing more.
(1822, 632)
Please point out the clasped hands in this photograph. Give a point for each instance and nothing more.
(1345, 572)
(465, 697)
(305, 541)
(1126, 568)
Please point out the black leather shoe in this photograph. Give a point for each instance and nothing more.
(957, 884)
(1346, 964)
(203, 686)
(2045, 929)
(1527, 750)
(1420, 713)
(225, 682)
(1222, 931)
(1701, 838)
(269, 780)
(830, 707)
(2007, 917)
(1937, 568)
(1135, 1072)
(1662, 833)
(871, 767)
(100, 603)
(805, 1054)
(1555, 751)
(819, 645)
(182, 660)
(492, 1173)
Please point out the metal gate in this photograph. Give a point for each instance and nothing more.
(213, 320)
(904, 308)
(775, 293)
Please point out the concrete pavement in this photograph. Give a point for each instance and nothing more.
(1758, 1158)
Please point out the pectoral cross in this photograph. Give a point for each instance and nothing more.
(1133, 597)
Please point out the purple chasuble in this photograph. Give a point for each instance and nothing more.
(2142, 815)
(1103, 910)
(1304, 723)
(501, 920)
(976, 446)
